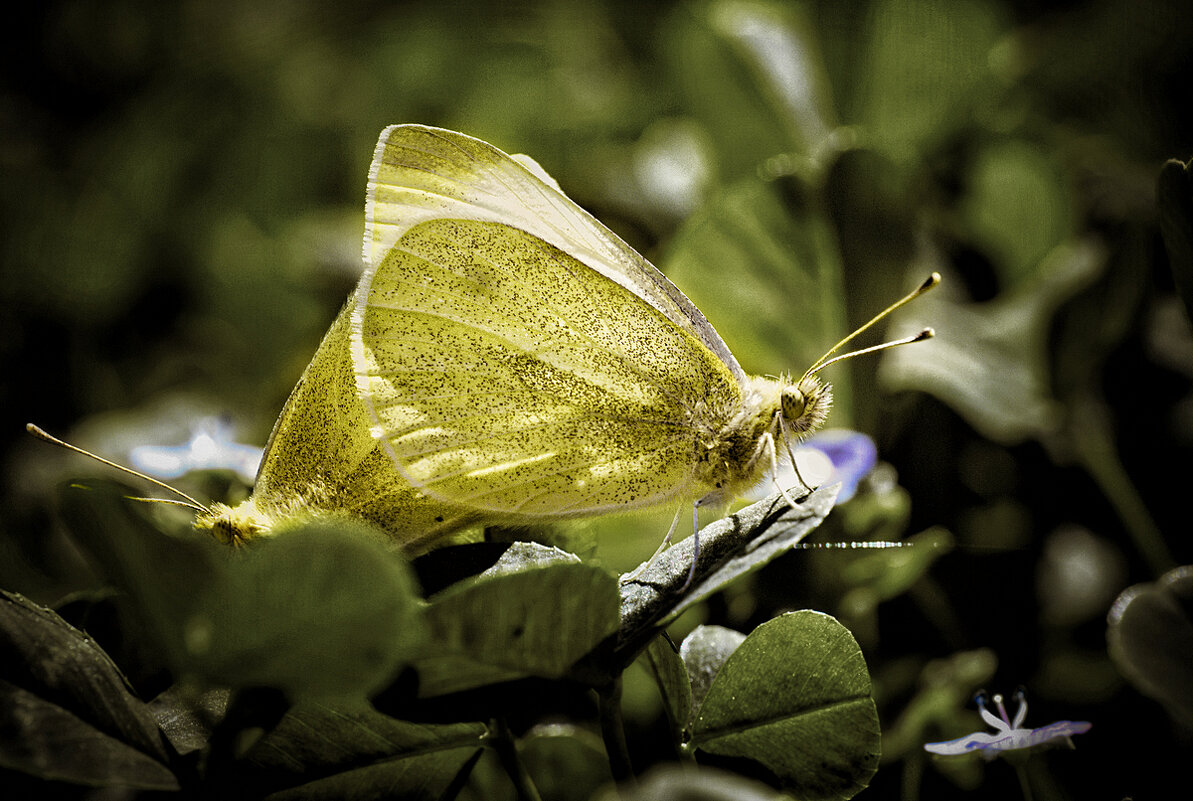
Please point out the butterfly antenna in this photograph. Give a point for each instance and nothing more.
(186, 501)
(927, 333)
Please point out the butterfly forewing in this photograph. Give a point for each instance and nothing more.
(505, 375)
(421, 173)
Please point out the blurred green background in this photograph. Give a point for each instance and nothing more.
(182, 203)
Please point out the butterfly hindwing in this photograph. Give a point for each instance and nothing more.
(321, 456)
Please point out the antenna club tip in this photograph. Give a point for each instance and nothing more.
(927, 333)
(932, 281)
(38, 432)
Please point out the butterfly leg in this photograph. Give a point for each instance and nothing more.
(695, 546)
(667, 541)
(662, 547)
(791, 455)
(766, 444)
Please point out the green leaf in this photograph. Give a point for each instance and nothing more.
(317, 751)
(729, 548)
(1018, 207)
(188, 718)
(1150, 635)
(514, 621)
(1174, 198)
(922, 70)
(671, 676)
(795, 696)
(989, 360)
(322, 610)
(524, 555)
(567, 763)
(66, 712)
(704, 653)
(761, 262)
(752, 74)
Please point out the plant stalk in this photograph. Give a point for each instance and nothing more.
(507, 752)
(613, 732)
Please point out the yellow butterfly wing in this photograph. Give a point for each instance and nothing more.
(321, 458)
(503, 372)
(504, 375)
(421, 173)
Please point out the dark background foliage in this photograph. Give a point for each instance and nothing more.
(181, 215)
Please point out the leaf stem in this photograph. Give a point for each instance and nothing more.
(1024, 784)
(507, 752)
(1089, 434)
(613, 732)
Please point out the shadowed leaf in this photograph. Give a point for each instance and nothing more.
(321, 610)
(66, 712)
(318, 751)
(1150, 635)
(534, 613)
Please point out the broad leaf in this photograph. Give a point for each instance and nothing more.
(671, 675)
(1018, 207)
(704, 652)
(761, 262)
(66, 712)
(753, 77)
(795, 697)
(729, 548)
(921, 73)
(1150, 636)
(567, 763)
(188, 718)
(515, 621)
(989, 360)
(318, 751)
(321, 610)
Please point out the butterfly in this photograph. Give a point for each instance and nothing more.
(507, 359)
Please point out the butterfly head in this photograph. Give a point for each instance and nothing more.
(232, 525)
(252, 518)
(805, 404)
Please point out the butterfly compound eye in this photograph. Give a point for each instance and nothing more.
(794, 403)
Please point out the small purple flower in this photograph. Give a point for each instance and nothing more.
(1008, 734)
(211, 447)
(836, 456)
(852, 454)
